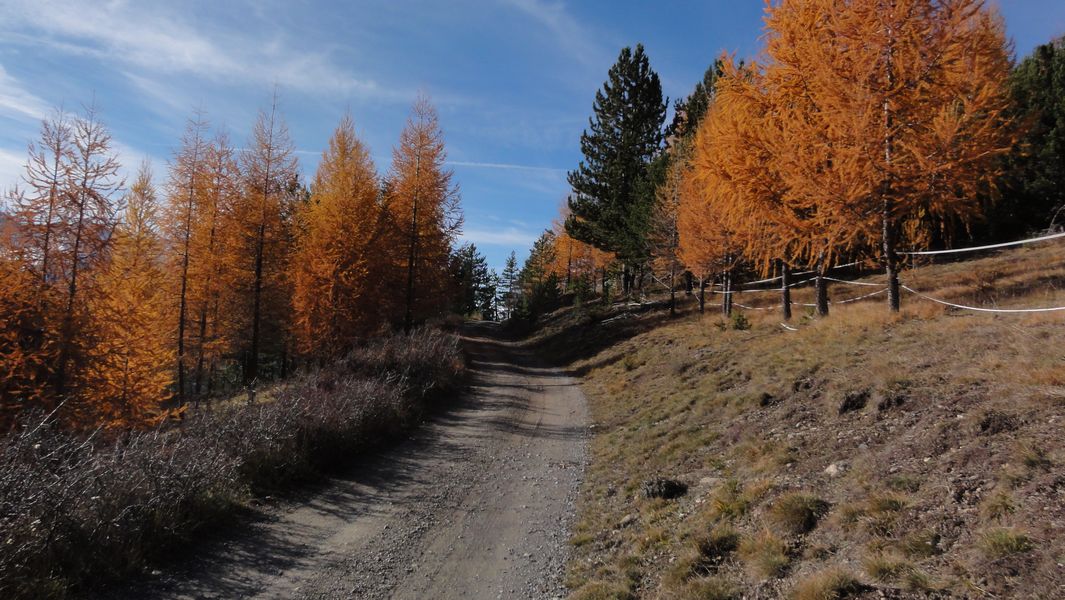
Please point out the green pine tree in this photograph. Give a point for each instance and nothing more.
(509, 285)
(611, 203)
(1038, 168)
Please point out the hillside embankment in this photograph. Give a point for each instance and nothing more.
(863, 455)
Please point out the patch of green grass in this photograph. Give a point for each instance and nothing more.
(711, 588)
(1035, 457)
(904, 483)
(1004, 541)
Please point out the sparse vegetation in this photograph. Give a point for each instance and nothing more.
(1003, 541)
(832, 584)
(131, 498)
(764, 554)
(913, 485)
(798, 513)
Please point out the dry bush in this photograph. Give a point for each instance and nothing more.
(75, 507)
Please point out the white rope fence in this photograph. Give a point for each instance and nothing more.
(985, 310)
(883, 289)
(990, 247)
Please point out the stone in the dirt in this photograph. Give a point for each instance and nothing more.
(664, 488)
(835, 469)
(627, 520)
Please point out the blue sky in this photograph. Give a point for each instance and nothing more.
(513, 80)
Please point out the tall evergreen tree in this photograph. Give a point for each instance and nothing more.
(611, 201)
(509, 284)
(1038, 168)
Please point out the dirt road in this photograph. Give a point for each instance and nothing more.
(476, 505)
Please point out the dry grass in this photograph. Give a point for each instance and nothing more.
(798, 513)
(919, 468)
(831, 584)
(765, 555)
(1001, 542)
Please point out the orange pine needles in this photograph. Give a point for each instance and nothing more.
(424, 208)
(337, 270)
(129, 368)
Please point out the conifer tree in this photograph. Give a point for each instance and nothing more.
(1037, 168)
(612, 200)
(185, 188)
(260, 224)
(25, 361)
(424, 207)
(509, 283)
(893, 114)
(219, 195)
(41, 205)
(129, 368)
(89, 216)
(338, 262)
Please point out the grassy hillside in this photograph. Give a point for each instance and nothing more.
(865, 455)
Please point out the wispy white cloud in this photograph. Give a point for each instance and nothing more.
(509, 236)
(12, 164)
(18, 103)
(570, 35)
(156, 37)
(507, 166)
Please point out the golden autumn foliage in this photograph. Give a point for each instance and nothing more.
(187, 172)
(338, 266)
(259, 227)
(217, 194)
(109, 311)
(574, 260)
(423, 206)
(26, 356)
(129, 367)
(869, 124)
(707, 240)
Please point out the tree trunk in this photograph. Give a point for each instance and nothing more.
(702, 295)
(821, 289)
(785, 290)
(891, 262)
(726, 302)
(625, 281)
(890, 231)
(251, 372)
(672, 289)
(408, 318)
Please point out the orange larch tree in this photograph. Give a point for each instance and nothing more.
(424, 207)
(577, 264)
(129, 368)
(260, 224)
(706, 244)
(337, 266)
(218, 194)
(88, 219)
(894, 114)
(187, 171)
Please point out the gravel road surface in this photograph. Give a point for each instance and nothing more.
(476, 505)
